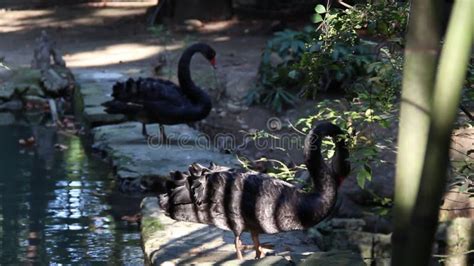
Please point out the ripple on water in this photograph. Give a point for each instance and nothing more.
(56, 207)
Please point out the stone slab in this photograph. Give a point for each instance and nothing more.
(134, 156)
(90, 97)
(170, 242)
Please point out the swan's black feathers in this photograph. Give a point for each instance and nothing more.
(198, 189)
(240, 200)
(161, 100)
(148, 89)
(179, 189)
(153, 100)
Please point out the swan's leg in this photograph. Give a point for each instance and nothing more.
(256, 244)
(238, 246)
(144, 133)
(162, 133)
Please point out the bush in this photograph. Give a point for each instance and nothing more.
(277, 79)
(350, 50)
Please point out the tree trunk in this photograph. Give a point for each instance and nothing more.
(202, 9)
(425, 154)
(179, 10)
(421, 56)
(446, 97)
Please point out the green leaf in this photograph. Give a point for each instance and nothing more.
(363, 175)
(331, 153)
(316, 18)
(292, 74)
(294, 47)
(320, 9)
(369, 172)
(360, 180)
(284, 46)
(300, 45)
(369, 112)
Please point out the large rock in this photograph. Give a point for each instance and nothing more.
(56, 79)
(348, 234)
(383, 174)
(462, 144)
(20, 82)
(88, 99)
(238, 83)
(455, 239)
(456, 204)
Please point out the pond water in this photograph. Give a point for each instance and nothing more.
(61, 207)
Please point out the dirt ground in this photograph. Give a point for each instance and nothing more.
(115, 38)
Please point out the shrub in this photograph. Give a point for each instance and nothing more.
(349, 50)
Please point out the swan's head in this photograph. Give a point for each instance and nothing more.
(207, 51)
(339, 167)
(210, 55)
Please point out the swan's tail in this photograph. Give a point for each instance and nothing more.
(187, 188)
(177, 192)
(183, 194)
(124, 91)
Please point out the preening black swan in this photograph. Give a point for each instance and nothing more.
(250, 201)
(161, 101)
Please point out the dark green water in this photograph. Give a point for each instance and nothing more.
(61, 207)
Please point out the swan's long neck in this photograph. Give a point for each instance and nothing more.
(325, 179)
(184, 76)
(184, 73)
(320, 173)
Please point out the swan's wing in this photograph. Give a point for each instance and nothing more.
(160, 90)
(198, 190)
(178, 189)
(149, 89)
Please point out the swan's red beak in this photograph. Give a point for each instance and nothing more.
(213, 62)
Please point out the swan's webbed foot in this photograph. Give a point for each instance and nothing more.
(256, 244)
(238, 246)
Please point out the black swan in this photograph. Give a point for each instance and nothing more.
(161, 101)
(238, 200)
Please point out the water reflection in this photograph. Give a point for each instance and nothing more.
(60, 206)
